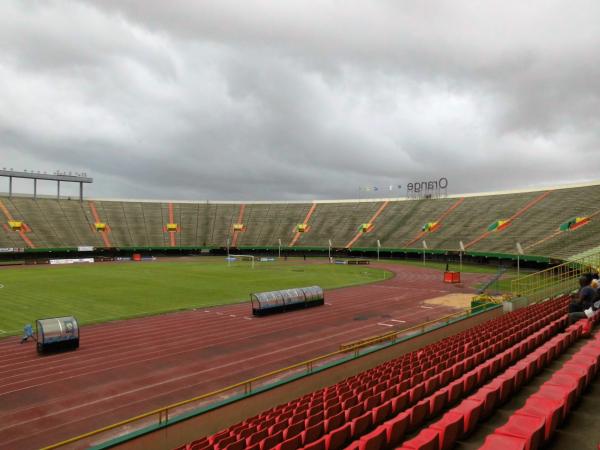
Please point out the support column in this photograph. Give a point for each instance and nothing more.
(34, 188)
(9, 187)
(58, 190)
(80, 191)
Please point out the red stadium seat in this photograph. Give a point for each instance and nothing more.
(360, 425)
(529, 428)
(396, 428)
(501, 442)
(450, 428)
(427, 439)
(337, 439)
(471, 409)
(293, 443)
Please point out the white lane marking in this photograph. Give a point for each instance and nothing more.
(426, 307)
(232, 315)
(219, 313)
(385, 324)
(328, 304)
(396, 320)
(248, 318)
(206, 310)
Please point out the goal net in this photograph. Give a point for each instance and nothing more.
(234, 259)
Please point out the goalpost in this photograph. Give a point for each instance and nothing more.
(233, 258)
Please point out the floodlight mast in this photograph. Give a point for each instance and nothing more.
(35, 176)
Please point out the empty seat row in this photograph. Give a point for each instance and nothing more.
(534, 424)
(462, 419)
(399, 384)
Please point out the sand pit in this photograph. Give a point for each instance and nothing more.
(453, 300)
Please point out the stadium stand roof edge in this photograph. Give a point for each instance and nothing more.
(355, 200)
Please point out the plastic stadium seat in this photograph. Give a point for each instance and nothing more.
(437, 402)
(360, 425)
(450, 428)
(570, 379)
(293, 443)
(582, 368)
(501, 442)
(427, 439)
(529, 428)
(396, 428)
(432, 384)
(454, 391)
(483, 373)
(338, 438)
(489, 395)
(334, 422)
(418, 414)
(381, 413)
(550, 410)
(271, 441)
(554, 392)
(278, 426)
(469, 382)
(375, 440)
(400, 403)
(518, 374)
(506, 383)
(293, 430)
(313, 420)
(471, 409)
(317, 445)
(416, 393)
(313, 433)
(354, 412)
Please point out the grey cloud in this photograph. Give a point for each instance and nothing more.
(300, 100)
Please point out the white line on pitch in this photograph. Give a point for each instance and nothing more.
(2, 331)
(426, 307)
(385, 324)
(396, 320)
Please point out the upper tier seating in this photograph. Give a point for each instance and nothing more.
(536, 218)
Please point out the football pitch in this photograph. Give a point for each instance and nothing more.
(109, 291)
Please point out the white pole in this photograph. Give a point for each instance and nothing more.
(424, 247)
(518, 266)
(329, 250)
(462, 249)
(279, 254)
(460, 258)
(228, 260)
(378, 246)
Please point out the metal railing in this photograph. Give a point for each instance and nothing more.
(165, 415)
(555, 280)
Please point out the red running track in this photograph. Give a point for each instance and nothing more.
(126, 368)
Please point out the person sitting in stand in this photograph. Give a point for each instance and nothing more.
(582, 304)
(27, 333)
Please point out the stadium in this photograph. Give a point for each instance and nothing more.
(295, 225)
(172, 356)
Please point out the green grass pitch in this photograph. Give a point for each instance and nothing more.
(102, 292)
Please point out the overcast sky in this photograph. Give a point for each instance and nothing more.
(242, 100)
